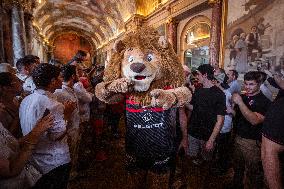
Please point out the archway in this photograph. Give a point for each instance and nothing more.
(194, 42)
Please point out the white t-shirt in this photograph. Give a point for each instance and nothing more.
(65, 94)
(235, 87)
(28, 84)
(48, 154)
(84, 98)
(228, 118)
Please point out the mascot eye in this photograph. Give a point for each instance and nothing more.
(130, 59)
(150, 57)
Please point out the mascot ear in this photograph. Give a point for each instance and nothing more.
(119, 46)
(163, 42)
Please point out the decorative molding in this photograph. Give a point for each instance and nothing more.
(212, 2)
(134, 22)
(175, 8)
(27, 5)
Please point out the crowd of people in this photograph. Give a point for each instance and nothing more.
(45, 120)
(48, 111)
(233, 126)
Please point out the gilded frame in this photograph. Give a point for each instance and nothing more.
(223, 33)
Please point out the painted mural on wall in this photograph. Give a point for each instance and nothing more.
(254, 35)
(197, 33)
(67, 45)
(161, 30)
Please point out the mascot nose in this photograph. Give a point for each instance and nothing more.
(137, 67)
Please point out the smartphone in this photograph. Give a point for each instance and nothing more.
(46, 112)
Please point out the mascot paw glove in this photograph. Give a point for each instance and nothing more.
(163, 98)
(122, 85)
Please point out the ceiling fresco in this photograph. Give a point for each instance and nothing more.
(98, 20)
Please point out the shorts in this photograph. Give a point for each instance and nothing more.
(158, 166)
(197, 148)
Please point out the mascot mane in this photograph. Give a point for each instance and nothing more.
(147, 38)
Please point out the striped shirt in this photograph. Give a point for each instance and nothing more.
(150, 131)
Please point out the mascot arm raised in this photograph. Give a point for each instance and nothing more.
(166, 99)
(113, 91)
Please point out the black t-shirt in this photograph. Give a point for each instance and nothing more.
(257, 103)
(273, 83)
(150, 132)
(273, 126)
(207, 104)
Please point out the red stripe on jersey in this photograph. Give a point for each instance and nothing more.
(131, 102)
(142, 109)
(133, 110)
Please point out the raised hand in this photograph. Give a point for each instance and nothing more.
(44, 123)
(41, 126)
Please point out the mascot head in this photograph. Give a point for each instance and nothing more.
(148, 60)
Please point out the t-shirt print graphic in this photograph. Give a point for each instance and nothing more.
(149, 131)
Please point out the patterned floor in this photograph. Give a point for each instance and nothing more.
(110, 174)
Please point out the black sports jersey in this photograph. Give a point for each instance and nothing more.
(150, 131)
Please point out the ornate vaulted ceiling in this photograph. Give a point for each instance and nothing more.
(97, 20)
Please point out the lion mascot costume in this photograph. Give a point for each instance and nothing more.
(145, 72)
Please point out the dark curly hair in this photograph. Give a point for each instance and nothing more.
(21, 63)
(253, 76)
(44, 73)
(207, 69)
(32, 58)
(68, 71)
(5, 79)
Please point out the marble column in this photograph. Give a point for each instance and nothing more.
(7, 33)
(18, 33)
(29, 31)
(172, 33)
(2, 52)
(215, 33)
